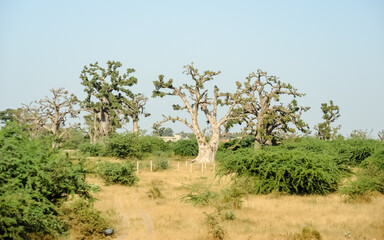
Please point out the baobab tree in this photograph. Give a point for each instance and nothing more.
(106, 93)
(52, 113)
(262, 113)
(133, 107)
(195, 100)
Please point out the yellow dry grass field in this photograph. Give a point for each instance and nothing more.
(141, 214)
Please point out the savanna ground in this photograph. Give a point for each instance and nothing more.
(154, 209)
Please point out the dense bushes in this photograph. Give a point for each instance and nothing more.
(186, 147)
(294, 172)
(349, 152)
(127, 145)
(85, 221)
(235, 144)
(123, 173)
(93, 150)
(33, 180)
(308, 165)
(369, 178)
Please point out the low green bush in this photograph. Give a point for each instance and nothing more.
(123, 173)
(75, 138)
(369, 178)
(187, 147)
(280, 169)
(92, 150)
(200, 197)
(24, 212)
(233, 197)
(131, 145)
(85, 221)
(160, 164)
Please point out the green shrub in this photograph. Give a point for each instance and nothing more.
(76, 138)
(200, 197)
(151, 144)
(187, 147)
(344, 152)
(24, 212)
(85, 221)
(354, 151)
(233, 197)
(123, 146)
(229, 215)
(123, 173)
(34, 180)
(160, 164)
(280, 169)
(235, 144)
(92, 150)
(369, 178)
(131, 145)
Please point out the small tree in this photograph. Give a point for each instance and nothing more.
(106, 94)
(196, 100)
(133, 107)
(52, 113)
(331, 114)
(261, 111)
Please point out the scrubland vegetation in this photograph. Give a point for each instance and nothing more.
(267, 182)
(251, 194)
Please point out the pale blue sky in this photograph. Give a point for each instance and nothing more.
(326, 49)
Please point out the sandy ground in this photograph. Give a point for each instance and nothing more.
(261, 217)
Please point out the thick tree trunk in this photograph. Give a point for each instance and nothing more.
(135, 121)
(207, 150)
(104, 123)
(206, 154)
(257, 145)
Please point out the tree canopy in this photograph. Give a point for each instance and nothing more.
(331, 114)
(107, 92)
(196, 100)
(262, 112)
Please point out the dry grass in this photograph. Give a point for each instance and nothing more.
(262, 217)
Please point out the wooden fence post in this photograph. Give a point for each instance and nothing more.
(137, 166)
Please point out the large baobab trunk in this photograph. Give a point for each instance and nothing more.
(206, 154)
(135, 121)
(104, 123)
(207, 149)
